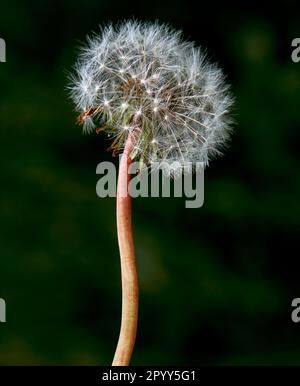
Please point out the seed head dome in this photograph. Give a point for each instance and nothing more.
(143, 79)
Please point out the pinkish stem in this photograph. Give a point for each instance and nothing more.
(128, 264)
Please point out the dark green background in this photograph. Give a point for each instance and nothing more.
(216, 283)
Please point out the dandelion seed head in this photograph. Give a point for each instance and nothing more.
(145, 78)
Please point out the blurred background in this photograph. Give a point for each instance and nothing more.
(216, 283)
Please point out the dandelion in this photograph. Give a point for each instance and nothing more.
(160, 99)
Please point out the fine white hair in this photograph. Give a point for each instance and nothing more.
(144, 79)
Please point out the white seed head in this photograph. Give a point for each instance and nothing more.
(146, 77)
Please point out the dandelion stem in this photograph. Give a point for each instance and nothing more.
(128, 264)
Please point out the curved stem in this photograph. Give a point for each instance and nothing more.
(128, 264)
